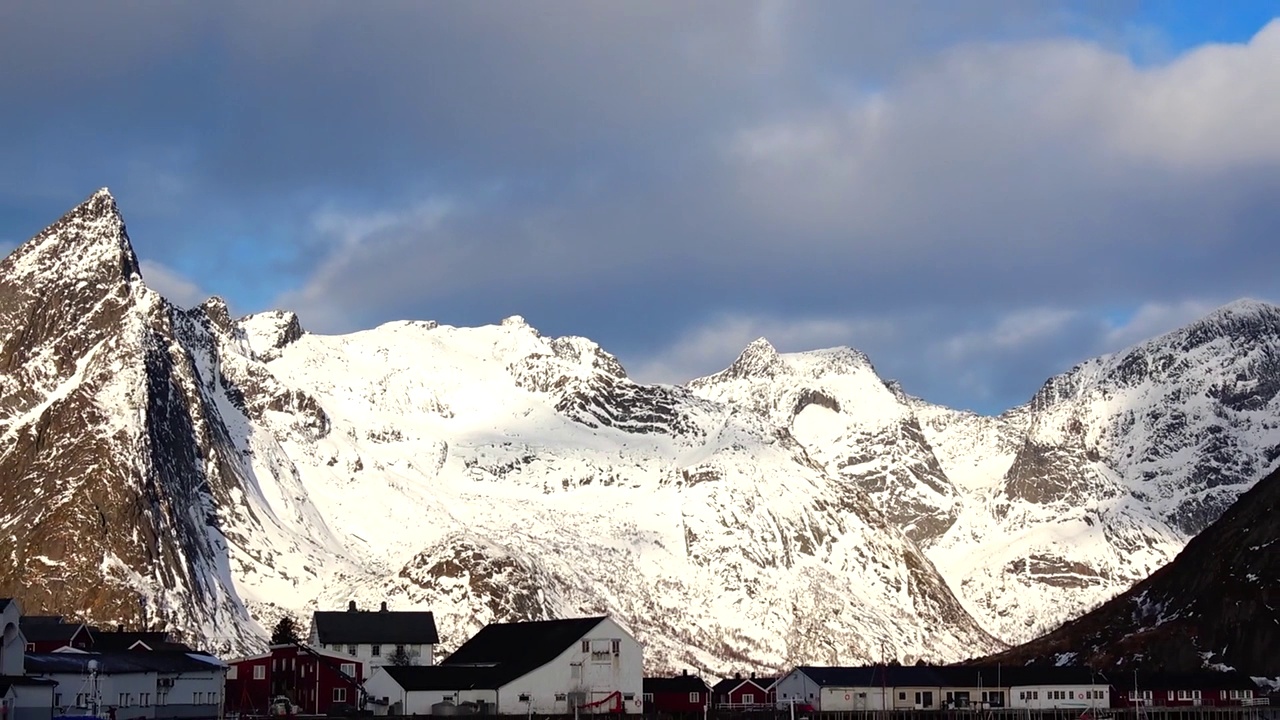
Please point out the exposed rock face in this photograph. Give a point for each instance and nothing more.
(1218, 602)
(793, 508)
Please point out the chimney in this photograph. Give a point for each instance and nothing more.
(737, 676)
(384, 606)
(351, 606)
(685, 672)
(120, 628)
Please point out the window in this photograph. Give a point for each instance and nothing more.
(259, 672)
(628, 696)
(377, 650)
(144, 699)
(349, 669)
(339, 694)
(647, 697)
(526, 697)
(748, 698)
(124, 700)
(575, 671)
(162, 698)
(1195, 694)
(586, 646)
(82, 700)
(902, 696)
(57, 699)
(400, 650)
(232, 672)
(695, 697)
(197, 698)
(1170, 694)
(617, 647)
(212, 698)
(1182, 694)
(560, 697)
(351, 649)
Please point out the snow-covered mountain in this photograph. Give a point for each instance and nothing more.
(792, 508)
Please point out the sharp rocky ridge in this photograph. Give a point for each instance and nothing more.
(187, 469)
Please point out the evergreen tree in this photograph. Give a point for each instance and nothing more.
(286, 631)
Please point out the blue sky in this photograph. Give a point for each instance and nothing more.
(976, 194)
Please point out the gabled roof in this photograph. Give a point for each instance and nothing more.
(4, 602)
(446, 677)
(728, 685)
(517, 648)
(382, 627)
(43, 629)
(108, 641)
(120, 662)
(678, 684)
(841, 676)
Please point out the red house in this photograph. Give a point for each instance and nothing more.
(1202, 689)
(740, 692)
(683, 693)
(319, 682)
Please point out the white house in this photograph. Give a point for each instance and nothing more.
(21, 697)
(1049, 688)
(833, 689)
(376, 637)
(546, 667)
(15, 644)
(157, 685)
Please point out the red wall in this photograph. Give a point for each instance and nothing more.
(679, 702)
(304, 679)
(760, 696)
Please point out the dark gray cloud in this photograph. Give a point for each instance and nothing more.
(914, 178)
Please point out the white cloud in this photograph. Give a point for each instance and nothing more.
(1151, 320)
(172, 285)
(1013, 332)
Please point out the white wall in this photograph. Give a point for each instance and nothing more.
(796, 685)
(110, 686)
(622, 673)
(421, 654)
(832, 699)
(181, 700)
(14, 649)
(1075, 696)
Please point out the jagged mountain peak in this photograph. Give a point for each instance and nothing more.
(269, 332)
(758, 359)
(88, 242)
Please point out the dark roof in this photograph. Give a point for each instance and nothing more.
(8, 681)
(406, 627)
(445, 677)
(107, 641)
(517, 648)
(948, 676)
(42, 629)
(34, 619)
(677, 684)
(4, 602)
(1207, 680)
(1024, 675)
(120, 662)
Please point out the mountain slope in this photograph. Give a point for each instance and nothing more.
(1218, 602)
(184, 468)
(1122, 460)
(219, 471)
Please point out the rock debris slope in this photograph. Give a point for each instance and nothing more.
(181, 467)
